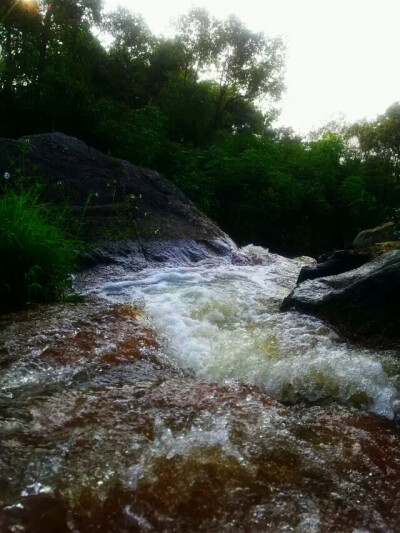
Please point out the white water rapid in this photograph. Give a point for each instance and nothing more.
(223, 321)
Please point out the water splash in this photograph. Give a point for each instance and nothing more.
(224, 323)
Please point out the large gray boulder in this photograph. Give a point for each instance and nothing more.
(363, 304)
(135, 214)
(75, 171)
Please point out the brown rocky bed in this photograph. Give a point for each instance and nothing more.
(101, 432)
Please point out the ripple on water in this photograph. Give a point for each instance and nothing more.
(188, 455)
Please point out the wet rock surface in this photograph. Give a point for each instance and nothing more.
(134, 255)
(335, 263)
(156, 405)
(362, 303)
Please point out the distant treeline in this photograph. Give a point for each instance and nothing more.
(193, 107)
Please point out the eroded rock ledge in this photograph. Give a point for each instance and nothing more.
(363, 304)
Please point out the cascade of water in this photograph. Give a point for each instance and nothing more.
(223, 322)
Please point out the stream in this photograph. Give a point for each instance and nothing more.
(179, 398)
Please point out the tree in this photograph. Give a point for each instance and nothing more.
(245, 65)
(19, 32)
(381, 137)
(248, 61)
(196, 32)
(129, 33)
(65, 14)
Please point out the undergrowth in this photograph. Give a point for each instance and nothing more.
(37, 256)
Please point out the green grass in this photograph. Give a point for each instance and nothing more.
(36, 257)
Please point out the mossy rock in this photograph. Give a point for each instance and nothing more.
(382, 247)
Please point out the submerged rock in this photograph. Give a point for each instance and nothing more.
(159, 409)
(363, 303)
(103, 433)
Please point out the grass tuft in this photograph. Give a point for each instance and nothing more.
(36, 257)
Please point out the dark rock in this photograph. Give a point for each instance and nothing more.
(324, 257)
(131, 255)
(362, 304)
(186, 251)
(133, 198)
(335, 263)
(368, 237)
(126, 253)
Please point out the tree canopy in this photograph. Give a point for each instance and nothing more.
(198, 107)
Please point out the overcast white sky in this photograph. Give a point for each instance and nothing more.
(343, 55)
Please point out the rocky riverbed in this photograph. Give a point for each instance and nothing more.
(179, 398)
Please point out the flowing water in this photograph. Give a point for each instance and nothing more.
(181, 399)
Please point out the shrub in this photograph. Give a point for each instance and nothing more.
(36, 256)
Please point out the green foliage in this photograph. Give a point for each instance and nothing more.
(293, 196)
(189, 106)
(37, 257)
(356, 198)
(134, 134)
(177, 100)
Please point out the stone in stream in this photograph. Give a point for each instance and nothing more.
(336, 263)
(368, 244)
(362, 303)
(368, 237)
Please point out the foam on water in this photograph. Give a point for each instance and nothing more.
(224, 323)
